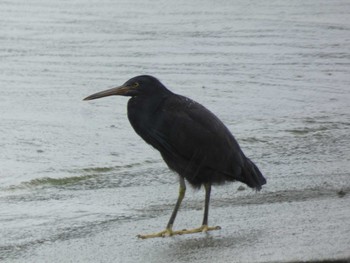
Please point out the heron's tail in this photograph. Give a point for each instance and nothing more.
(252, 176)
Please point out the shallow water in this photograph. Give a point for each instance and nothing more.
(276, 72)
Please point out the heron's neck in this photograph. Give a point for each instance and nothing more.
(142, 111)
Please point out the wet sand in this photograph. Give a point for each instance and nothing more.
(286, 226)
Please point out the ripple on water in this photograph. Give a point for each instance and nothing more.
(134, 174)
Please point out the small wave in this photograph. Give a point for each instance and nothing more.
(55, 181)
(307, 130)
(83, 177)
(253, 140)
(101, 177)
(299, 131)
(98, 169)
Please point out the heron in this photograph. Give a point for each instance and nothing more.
(192, 141)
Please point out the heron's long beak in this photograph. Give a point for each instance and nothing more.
(122, 90)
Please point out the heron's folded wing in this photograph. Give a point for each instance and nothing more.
(189, 131)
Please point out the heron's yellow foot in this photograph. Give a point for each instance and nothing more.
(165, 233)
(169, 232)
(203, 228)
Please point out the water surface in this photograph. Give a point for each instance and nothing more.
(276, 73)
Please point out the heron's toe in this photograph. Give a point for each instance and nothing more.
(165, 233)
(206, 228)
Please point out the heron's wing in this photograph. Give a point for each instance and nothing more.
(188, 131)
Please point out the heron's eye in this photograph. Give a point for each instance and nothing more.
(135, 84)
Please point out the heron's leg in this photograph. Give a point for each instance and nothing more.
(169, 228)
(204, 227)
(206, 203)
(181, 196)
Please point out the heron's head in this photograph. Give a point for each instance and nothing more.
(144, 85)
